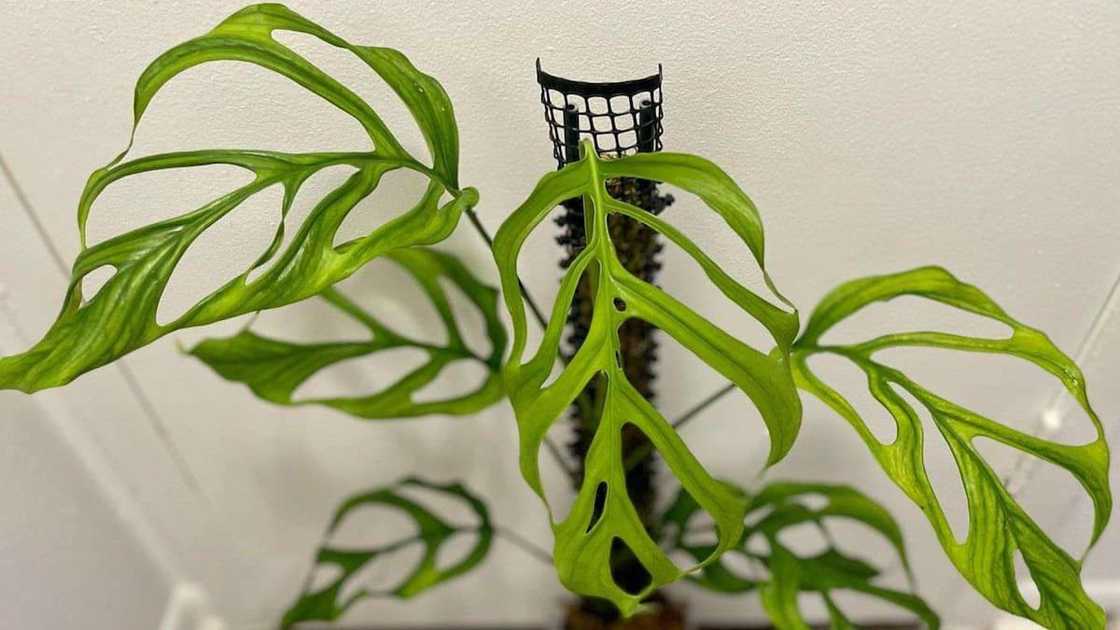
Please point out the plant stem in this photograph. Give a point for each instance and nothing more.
(481, 229)
(702, 405)
(524, 544)
(553, 449)
(639, 454)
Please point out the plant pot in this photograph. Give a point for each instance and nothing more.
(666, 615)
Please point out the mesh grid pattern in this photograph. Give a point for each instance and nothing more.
(621, 118)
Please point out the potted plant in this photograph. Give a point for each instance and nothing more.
(610, 547)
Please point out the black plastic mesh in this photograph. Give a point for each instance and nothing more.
(621, 118)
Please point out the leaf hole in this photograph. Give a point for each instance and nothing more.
(349, 70)
(851, 382)
(457, 379)
(313, 190)
(555, 482)
(396, 299)
(469, 317)
(745, 567)
(455, 549)
(95, 280)
(862, 540)
(620, 304)
(712, 235)
(599, 507)
(1024, 582)
(701, 532)
(361, 376)
(728, 437)
(240, 104)
(756, 516)
(397, 193)
(627, 570)
(804, 539)
(370, 526)
(684, 280)
(557, 370)
(758, 545)
(536, 266)
(682, 559)
(145, 198)
(1006, 389)
(447, 507)
(224, 251)
(384, 573)
(323, 576)
(581, 312)
(910, 313)
(700, 528)
(815, 501)
(311, 321)
(1048, 493)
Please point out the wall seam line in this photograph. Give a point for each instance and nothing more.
(1052, 419)
(153, 416)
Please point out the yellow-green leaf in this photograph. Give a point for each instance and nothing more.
(998, 526)
(94, 330)
(331, 601)
(274, 369)
(782, 575)
(582, 550)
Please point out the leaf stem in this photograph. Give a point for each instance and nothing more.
(640, 453)
(524, 544)
(481, 229)
(702, 405)
(553, 449)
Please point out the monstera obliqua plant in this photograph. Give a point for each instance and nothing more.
(711, 521)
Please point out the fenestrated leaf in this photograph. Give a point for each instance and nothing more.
(782, 574)
(94, 330)
(779, 593)
(432, 532)
(582, 554)
(998, 525)
(274, 369)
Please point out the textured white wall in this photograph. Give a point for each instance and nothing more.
(873, 137)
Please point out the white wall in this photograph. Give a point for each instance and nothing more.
(72, 553)
(67, 561)
(874, 137)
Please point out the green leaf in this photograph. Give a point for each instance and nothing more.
(779, 594)
(94, 330)
(998, 525)
(274, 369)
(582, 548)
(840, 502)
(778, 507)
(432, 532)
